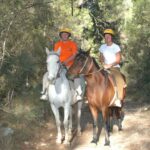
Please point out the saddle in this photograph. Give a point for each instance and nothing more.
(118, 81)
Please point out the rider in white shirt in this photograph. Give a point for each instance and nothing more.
(110, 57)
(109, 53)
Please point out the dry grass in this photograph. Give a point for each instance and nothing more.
(26, 118)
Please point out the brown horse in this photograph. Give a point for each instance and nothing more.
(99, 91)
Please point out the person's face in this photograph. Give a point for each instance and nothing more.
(64, 36)
(108, 38)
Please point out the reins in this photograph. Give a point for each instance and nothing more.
(89, 69)
(84, 65)
(58, 73)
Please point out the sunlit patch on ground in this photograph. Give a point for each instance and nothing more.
(135, 134)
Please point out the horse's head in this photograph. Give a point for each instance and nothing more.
(81, 64)
(53, 64)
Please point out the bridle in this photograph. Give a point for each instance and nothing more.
(91, 65)
(59, 69)
(86, 61)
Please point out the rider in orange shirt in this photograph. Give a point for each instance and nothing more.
(68, 51)
(68, 47)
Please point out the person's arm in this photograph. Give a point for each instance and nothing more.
(56, 46)
(118, 60)
(69, 59)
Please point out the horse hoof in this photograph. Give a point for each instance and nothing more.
(94, 141)
(107, 143)
(58, 141)
(120, 129)
(43, 97)
(66, 142)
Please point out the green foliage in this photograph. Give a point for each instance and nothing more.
(138, 47)
(28, 26)
(17, 69)
(26, 118)
(22, 41)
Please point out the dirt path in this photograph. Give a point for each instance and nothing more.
(135, 134)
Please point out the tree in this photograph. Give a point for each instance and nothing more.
(138, 48)
(22, 41)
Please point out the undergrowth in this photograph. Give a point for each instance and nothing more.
(26, 117)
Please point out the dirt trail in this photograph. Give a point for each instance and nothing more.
(135, 134)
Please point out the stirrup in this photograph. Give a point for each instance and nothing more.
(79, 97)
(44, 97)
(117, 103)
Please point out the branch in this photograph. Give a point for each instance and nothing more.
(8, 29)
(4, 43)
(35, 4)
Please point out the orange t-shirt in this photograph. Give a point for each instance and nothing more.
(68, 49)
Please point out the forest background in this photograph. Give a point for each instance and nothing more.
(28, 26)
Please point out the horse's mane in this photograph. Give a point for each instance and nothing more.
(98, 67)
(86, 53)
(95, 63)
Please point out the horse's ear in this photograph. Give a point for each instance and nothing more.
(80, 50)
(84, 52)
(47, 50)
(88, 51)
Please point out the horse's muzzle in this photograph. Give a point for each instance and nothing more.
(51, 80)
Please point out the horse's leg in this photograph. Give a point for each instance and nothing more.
(105, 118)
(95, 123)
(45, 87)
(110, 120)
(65, 122)
(44, 83)
(118, 113)
(79, 118)
(58, 123)
(78, 89)
(70, 121)
(120, 123)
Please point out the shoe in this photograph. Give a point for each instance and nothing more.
(79, 97)
(42, 92)
(44, 97)
(117, 103)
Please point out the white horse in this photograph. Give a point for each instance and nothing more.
(60, 94)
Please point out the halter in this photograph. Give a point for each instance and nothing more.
(84, 65)
(60, 66)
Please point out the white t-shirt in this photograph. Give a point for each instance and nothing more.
(109, 53)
